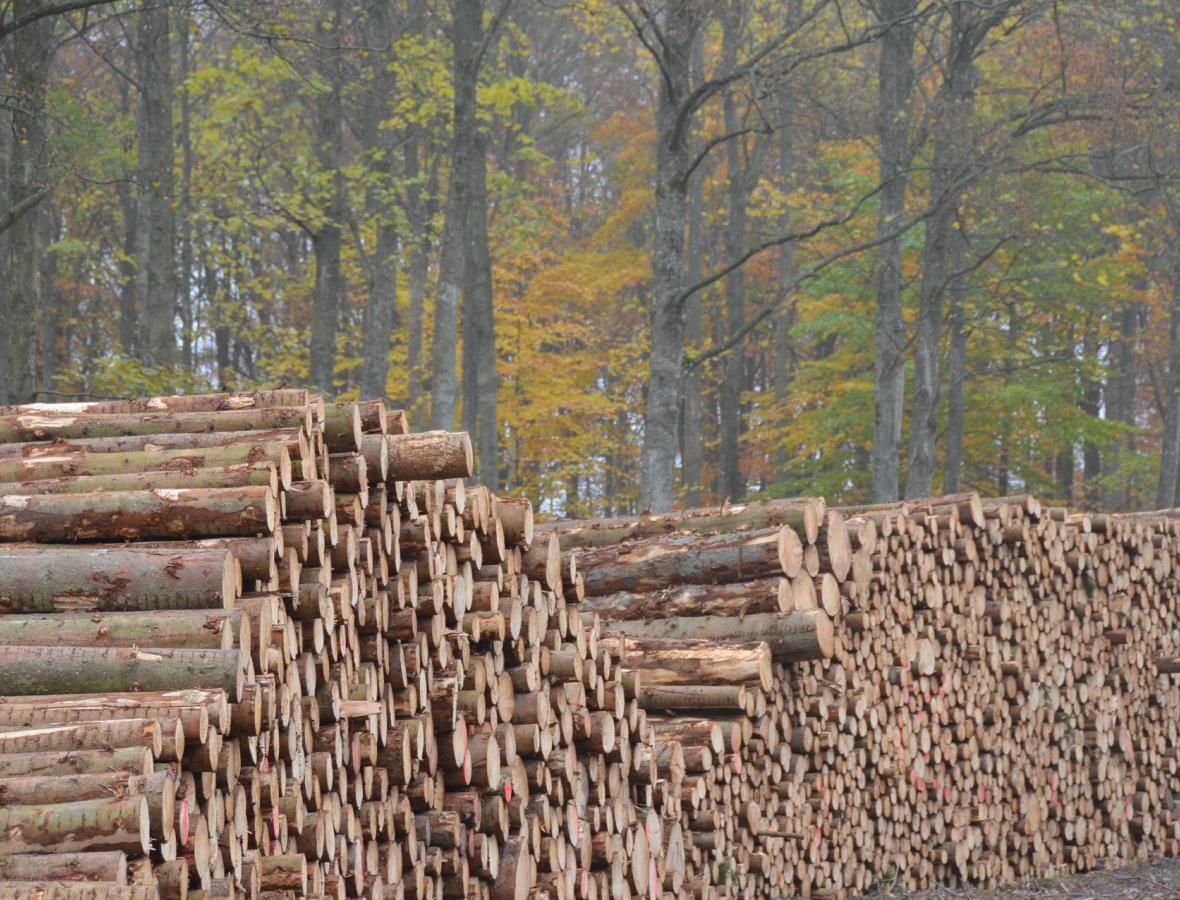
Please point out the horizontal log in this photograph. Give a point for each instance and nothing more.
(249, 474)
(218, 629)
(216, 402)
(138, 514)
(118, 733)
(430, 455)
(86, 825)
(38, 427)
(196, 709)
(686, 558)
(36, 578)
(109, 866)
(671, 661)
(791, 636)
(56, 670)
(137, 760)
(47, 890)
(763, 595)
(802, 515)
(256, 555)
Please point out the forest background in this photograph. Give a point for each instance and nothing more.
(648, 252)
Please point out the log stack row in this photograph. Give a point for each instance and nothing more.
(996, 698)
(255, 645)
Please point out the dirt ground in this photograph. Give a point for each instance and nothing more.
(1158, 880)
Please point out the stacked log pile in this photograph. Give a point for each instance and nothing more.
(997, 699)
(256, 645)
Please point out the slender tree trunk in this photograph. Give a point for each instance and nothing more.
(785, 321)
(666, 360)
(479, 310)
(952, 476)
(732, 483)
(32, 52)
(187, 315)
(466, 27)
(329, 280)
(157, 266)
(1165, 495)
(128, 282)
(1090, 405)
(895, 79)
(692, 451)
(419, 252)
(1120, 392)
(379, 317)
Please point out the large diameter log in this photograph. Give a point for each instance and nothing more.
(763, 595)
(670, 661)
(244, 475)
(195, 709)
(35, 427)
(59, 579)
(85, 736)
(295, 440)
(47, 890)
(430, 456)
(103, 866)
(119, 824)
(167, 513)
(512, 880)
(803, 515)
(32, 790)
(215, 629)
(256, 555)
(216, 402)
(791, 636)
(82, 670)
(44, 462)
(77, 762)
(686, 558)
(516, 516)
(703, 698)
(835, 548)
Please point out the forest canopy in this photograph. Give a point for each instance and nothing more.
(648, 252)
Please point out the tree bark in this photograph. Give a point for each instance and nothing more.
(329, 288)
(803, 516)
(160, 514)
(156, 183)
(76, 762)
(895, 83)
(690, 559)
(678, 661)
(55, 463)
(116, 733)
(241, 475)
(952, 475)
(186, 629)
(1166, 494)
(429, 455)
(80, 670)
(666, 317)
(87, 825)
(466, 28)
(65, 579)
(792, 637)
(26, 428)
(29, 174)
(766, 595)
(109, 866)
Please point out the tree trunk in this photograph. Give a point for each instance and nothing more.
(169, 513)
(80, 670)
(380, 316)
(118, 824)
(431, 455)
(766, 595)
(895, 82)
(76, 762)
(785, 320)
(957, 364)
(666, 316)
(679, 661)
(243, 475)
(25, 428)
(329, 287)
(157, 266)
(792, 637)
(187, 312)
(65, 579)
(215, 629)
(1165, 495)
(29, 175)
(690, 559)
(109, 866)
(466, 28)
(56, 463)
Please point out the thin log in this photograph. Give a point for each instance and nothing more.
(792, 636)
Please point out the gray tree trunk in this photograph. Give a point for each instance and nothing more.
(957, 363)
(419, 254)
(1120, 394)
(329, 280)
(32, 53)
(692, 450)
(466, 27)
(379, 317)
(738, 188)
(156, 183)
(895, 83)
(187, 313)
(479, 311)
(785, 321)
(1165, 495)
(666, 363)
